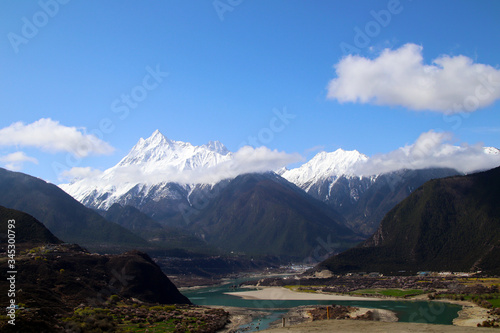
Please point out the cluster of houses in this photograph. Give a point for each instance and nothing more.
(447, 274)
(423, 273)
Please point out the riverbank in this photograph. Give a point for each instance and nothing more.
(470, 315)
(285, 294)
(307, 313)
(239, 317)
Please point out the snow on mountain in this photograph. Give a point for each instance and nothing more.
(158, 172)
(325, 166)
(148, 170)
(158, 153)
(492, 151)
(364, 189)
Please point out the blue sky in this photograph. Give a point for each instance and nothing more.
(233, 66)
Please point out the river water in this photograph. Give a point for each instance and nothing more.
(407, 311)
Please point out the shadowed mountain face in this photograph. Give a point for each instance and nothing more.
(364, 201)
(157, 234)
(447, 224)
(386, 192)
(265, 214)
(27, 229)
(60, 213)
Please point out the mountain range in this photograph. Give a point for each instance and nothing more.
(263, 214)
(448, 224)
(171, 183)
(65, 217)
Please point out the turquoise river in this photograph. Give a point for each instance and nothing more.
(407, 311)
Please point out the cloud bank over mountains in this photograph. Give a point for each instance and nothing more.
(451, 84)
(157, 160)
(245, 160)
(432, 150)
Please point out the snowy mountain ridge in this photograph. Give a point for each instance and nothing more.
(147, 170)
(157, 153)
(325, 166)
(158, 169)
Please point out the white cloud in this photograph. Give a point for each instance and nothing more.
(16, 160)
(249, 160)
(245, 160)
(49, 135)
(79, 173)
(451, 84)
(431, 150)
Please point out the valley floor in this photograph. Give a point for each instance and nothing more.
(469, 316)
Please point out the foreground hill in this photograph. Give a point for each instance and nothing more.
(65, 217)
(264, 214)
(450, 224)
(53, 278)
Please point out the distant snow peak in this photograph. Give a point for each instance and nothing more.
(492, 151)
(281, 171)
(216, 146)
(325, 165)
(157, 139)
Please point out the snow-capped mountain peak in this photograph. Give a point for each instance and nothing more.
(154, 148)
(158, 153)
(325, 165)
(152, 161)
